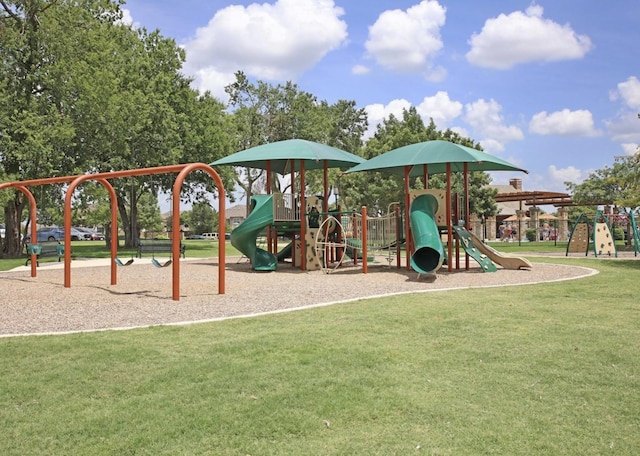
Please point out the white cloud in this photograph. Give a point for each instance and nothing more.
(483, 116)
(408, 41)
(487, 121)
(461, 131)
(629, 91)
(564, 123)
(509, 40)
(625, 128)
(276, 41)
(127, 19)
(558, 176)
(213, 81)
(376, 113)
(440, 108)
(630, 148)
(360, 69)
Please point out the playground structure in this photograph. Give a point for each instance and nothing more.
(429, 214)
(592, 233)
(596, 232)
(358, 237)
(331, 237)
(280, 215)
(182, 170)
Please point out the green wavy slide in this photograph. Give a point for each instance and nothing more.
(244, 236)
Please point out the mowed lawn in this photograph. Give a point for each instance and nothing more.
(548, 369)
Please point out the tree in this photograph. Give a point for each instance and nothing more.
(149, 217)
(202, 218)
(82, 92)
(35, 130)
(264, 113)
(618, 184)
(378, 190)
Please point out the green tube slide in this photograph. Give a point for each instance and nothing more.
(429, 253)
(244, 236)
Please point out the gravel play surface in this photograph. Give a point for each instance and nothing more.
(142, 296)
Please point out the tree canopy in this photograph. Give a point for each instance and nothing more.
(83, 92)
(378, 190)
(618, 184)
(264, 113)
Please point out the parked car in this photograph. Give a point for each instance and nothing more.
(86, 233)
(55, 234)
(196, 236)
(47, 234)
(90, 235)
(97, 236)
(2, 231)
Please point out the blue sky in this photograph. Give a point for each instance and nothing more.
(552, 86)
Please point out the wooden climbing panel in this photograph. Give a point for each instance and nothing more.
(579, 241)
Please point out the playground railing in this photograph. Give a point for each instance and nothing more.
(285, 207)
(381, 231)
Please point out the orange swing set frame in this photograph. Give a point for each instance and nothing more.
(183, 171)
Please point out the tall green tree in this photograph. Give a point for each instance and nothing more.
(264, 113)
(35, 129)
(82, 92)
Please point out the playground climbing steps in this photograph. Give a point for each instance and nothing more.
(312, 257)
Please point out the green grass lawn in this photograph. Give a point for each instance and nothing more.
(548, 369)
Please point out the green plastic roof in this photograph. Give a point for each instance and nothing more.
(285, 155)
(436, 154)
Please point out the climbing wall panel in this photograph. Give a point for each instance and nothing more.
(603, 240)
(579, 242)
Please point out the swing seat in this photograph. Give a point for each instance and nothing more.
(157, 264)
(120, 263)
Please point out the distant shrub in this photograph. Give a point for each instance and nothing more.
(618, 234)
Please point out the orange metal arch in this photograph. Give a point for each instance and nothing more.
(182, 169)
(32, 216)
(175, 220)
(67, 225)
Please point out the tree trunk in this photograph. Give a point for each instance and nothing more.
(12, 242)
(107, 235)
(129, 221)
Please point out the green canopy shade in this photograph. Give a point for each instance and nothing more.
(435, 154)
(285, 156)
